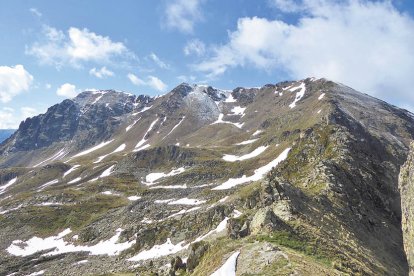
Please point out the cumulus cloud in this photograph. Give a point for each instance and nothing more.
(67, 90)
(183, 14)
(158, 61)
(151, 81)
(364, 44)
(194, 46)
(101, 73)
(77, 46)
(11, 118)
(13, 81)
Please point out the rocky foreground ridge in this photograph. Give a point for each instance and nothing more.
(298, 177)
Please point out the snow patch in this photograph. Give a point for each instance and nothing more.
(246, 142)
(101, 145)
(108, 247)
(107, 172)
(133, 198)
(221, 121)
(299, 94)
(131, 125)
(321, 96)
(140, 144)
(229, 267)
(118, 149)
(151, 178)
(234, 158)
(186, 201)
(258, 173)
(75, 180)
(70, 170)
(157, 251)
(177, 125)
(238, 110)
(8, 184)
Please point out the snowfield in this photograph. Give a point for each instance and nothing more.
(108, 247)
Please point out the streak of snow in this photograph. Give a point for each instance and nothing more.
(258, 173)
(60, 153)
(234, 158)
(143, 110)
(8, 184)
(257, 132)
(11, 209)
(151, 178)
(70, 170)
(246, 142)
(299, 94)
(101, 145)
(118, 149)
(75, 180)
(157, 251)
(131, 125)
(221, 121)
(321, 96)
(107, 172)
(187, 201)
(177, 125)
(48, 184)
(160, 201)
(107, 247)
(143, 140)
(229, 267)
(184, 186)
(37, 273)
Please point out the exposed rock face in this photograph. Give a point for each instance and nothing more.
(90, 117)
(406, 184)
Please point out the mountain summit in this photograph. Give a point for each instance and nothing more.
(298, 177)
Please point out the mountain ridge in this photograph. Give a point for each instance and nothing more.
(305, 172)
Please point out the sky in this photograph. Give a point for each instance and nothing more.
(53, 50)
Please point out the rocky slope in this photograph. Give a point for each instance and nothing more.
(407, 205)
(297, 177)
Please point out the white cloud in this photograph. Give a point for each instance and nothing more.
(36, 12)
(13, 81)
(10, 118)
(158, 61)
(183, 14)
(135, 80)
(366, 45)
(156, 83)
(287, 5)
(48, 86)
(67, 90)
(79, 45)
(194, 46)
(101, 73)
(28, 112)
(151, 81)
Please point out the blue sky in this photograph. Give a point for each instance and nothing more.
(51, 50)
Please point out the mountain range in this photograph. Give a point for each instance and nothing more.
(294, 178)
